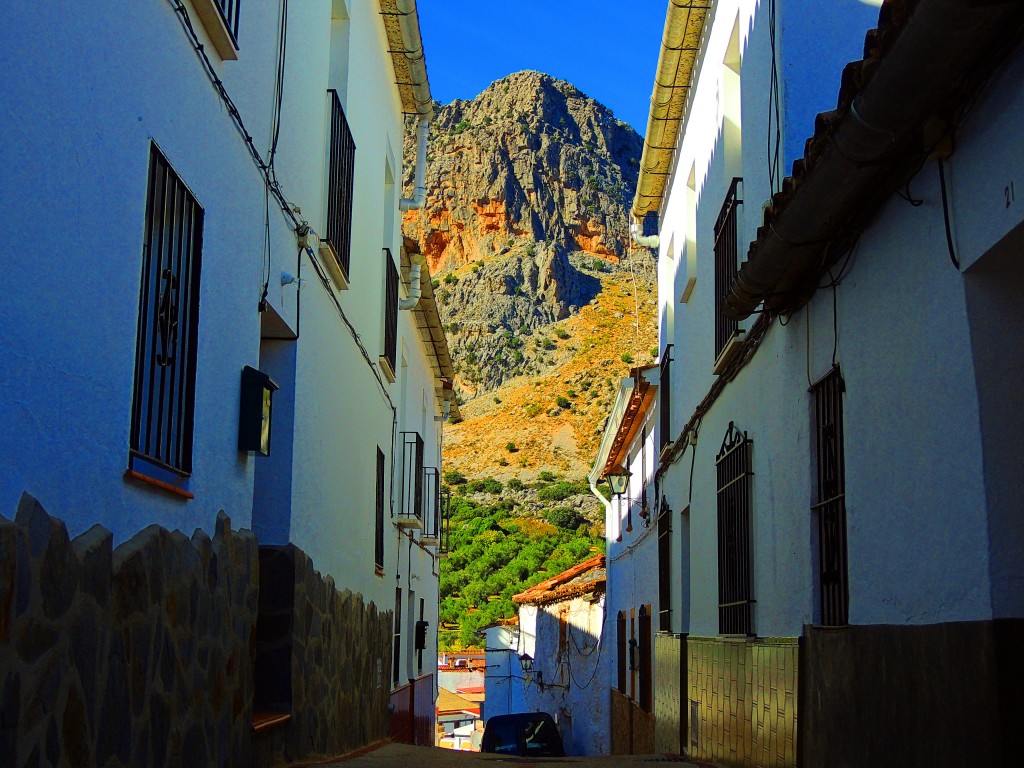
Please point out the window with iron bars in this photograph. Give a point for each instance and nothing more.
(665, 569)
(396, 640)
(163, 403)
(230, 10)
(621, 639)
(665, 398)
(378, 539)
(412, 476)
(734, 470)
(389, 355)
(726, 263)
(833, 584)
(340, 178)
(432, 507)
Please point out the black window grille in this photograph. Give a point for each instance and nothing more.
(396, 640)
(421, 638)
(444, 529)
(378, 539)
(622, 639)
(163, 404)
(432, 505)
(390, 351)
(665, 397)
(734, 468)
(646, 682)
(665, 569)
(833, 584)
(726, 263)
(230, 11)
(341, 173)
(412, 476)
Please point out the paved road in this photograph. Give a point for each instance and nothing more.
(406, 756)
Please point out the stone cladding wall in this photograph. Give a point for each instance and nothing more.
(134, 656)
(336, 649)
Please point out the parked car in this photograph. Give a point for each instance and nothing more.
(526, 734)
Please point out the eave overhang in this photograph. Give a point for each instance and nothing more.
(922, 68)
(677, 60)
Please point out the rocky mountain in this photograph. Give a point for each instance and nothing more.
(525, 231)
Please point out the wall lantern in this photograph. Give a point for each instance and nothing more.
(254, 411)
(526, 662)
(618, 478)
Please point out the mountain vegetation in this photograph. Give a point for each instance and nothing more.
(546, 307)
(503, 540)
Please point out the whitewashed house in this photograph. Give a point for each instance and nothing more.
(241, 326)
(564, 654)
(636, 531)
(841, 423)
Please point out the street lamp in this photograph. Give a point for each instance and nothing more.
(526, 662)
(618, 478)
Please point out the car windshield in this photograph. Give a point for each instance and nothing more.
(533, 734)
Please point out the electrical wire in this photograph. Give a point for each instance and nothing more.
(945, 215)
(236, 118)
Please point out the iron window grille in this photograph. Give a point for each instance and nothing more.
(833, 583)
(664, 568)
(378, 539)
(726, 264)
(341, 174)
(665, 398)
(396, 640)
(412, 480)
(432, 511)
(645, 683)
(389, 354)
(620, 630)
(734, 469)
(230, 10)
(163, 402)
(444, 533)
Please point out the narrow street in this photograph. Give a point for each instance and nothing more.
(407, 756)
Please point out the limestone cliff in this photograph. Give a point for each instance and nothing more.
(525, 231)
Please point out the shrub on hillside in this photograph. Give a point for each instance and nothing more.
(561, 491)
(452, 477)
(567, 518)
(484, 485)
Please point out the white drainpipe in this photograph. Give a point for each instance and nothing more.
(651, 241)
(414, 287)
(419, 192)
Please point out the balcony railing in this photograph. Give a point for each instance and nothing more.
(726, 264)
(341, 173)
(432, 507)
(411, 512)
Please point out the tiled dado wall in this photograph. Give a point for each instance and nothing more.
(742, 698)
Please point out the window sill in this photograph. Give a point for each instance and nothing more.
(217, 29)
(181, 493)
(333, 261)
(732, 348)
(378, 571)
(386, 369)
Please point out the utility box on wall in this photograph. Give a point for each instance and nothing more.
(254, 411)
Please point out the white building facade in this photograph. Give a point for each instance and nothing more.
(838, 417)
(245, 329)
(636, 533)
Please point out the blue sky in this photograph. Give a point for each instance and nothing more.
(609, 50)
